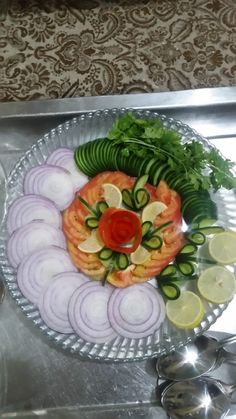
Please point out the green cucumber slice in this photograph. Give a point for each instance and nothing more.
(82, 200)
(196, 237)
(154, 243)
(186, 268)
(101, 207)
(170, 290)
(139, 183)
(211, 230)
(105, 254)
(127, 198)
(91, 222)
(122, 261)
(146, 226)
(188, 249)
(169, 270)
(141, 197)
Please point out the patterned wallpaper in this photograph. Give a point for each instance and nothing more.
(54, 49)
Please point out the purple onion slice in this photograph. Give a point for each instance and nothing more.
(52, 182)
(64, 157)
(28, 208)
(38, 269)
(30, 237)
(137, 311)
(88, 313)
(54, 301)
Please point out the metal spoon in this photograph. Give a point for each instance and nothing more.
(191, 361)
(203, 398)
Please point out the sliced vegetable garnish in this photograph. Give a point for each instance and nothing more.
(141, 198)
(64, 157)
(101, 207)
(146, 227)
(91, 222)
(120, 230)
(105, 254)
(122, 261)
(54, 300)
(140, 183)
(38, 269)
(188, 249)
(211, 230)
(88, 313)
(141, 255)
(197, 238)
(52, 182)
(169, 270)
(162, 227)
(137, 311)
(170, 290)
(91, 209)
(186, 268)
(154, 243)
(32, 236)
(28, 208)
(92, 244)
(128, 199)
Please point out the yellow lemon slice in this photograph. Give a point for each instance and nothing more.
(92, 244)
(187, 311)
(112, 195)
(217, 284)
(151, 211)
(222, 247)
(140, 255)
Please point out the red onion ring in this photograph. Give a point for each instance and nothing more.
(88, 312)
(54, 301)
(64, 157)
(52, 182)
(137, 311)
(30, 237)
(28, 208)
(39, 268)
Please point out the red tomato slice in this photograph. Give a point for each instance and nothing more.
(120, 230)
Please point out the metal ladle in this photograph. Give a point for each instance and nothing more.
(197, 358)
(203, 398)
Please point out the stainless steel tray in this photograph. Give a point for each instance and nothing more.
(34, 374)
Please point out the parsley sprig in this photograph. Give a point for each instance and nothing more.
(204, 168)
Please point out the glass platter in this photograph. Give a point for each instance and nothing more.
(71, 134)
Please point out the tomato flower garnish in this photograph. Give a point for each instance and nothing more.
(120, 230)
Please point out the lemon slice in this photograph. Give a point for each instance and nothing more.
(92, 244)
(222, 247)
(112, 195)
(217, 284)
(187, 311)
(140, 255)
(151, 211)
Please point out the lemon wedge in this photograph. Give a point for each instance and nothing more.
(92, 244)
(222, 247)
(217, 284)
(152, 210)
(140, 255)
(187, 311)
(112, 195)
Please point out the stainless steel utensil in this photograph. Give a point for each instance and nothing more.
(202, 398)
(191, 361)
(2, 195)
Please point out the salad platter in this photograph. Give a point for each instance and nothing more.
(121, 276)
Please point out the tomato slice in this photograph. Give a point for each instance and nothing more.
(120, 230)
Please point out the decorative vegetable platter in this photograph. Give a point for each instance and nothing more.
(71, 134)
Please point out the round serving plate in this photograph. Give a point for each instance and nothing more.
(71, 134)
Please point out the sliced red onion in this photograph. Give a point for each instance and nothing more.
(39, 268)
(64, 157)
(30, 237)
(137, 311)
(54, 301)
(52, 182)
(32, 207)
(88, 312)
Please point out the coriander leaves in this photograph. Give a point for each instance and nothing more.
(150, 138)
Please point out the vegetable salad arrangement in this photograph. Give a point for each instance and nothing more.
(96, 224)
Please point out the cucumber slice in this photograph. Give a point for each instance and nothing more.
(186, 268)
(196, 237)
(146, 226)
(188, 249)
(101, 207)
(91, 222)
(127, 198)
(82, 200)
(170, 290)
(122, 261)
(141, 197)
(211, 230)
(154, 243)
(105, 254)
(169, 270)
(162, 227)
(139, 183)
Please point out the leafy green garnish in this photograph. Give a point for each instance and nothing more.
(150, 138)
